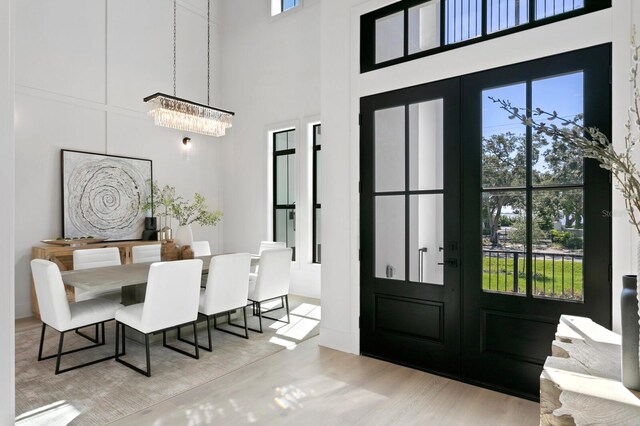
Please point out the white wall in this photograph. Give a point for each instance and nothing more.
(82, 69)
(343, 86)
(271, 76)
(7, 194)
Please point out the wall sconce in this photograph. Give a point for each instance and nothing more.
(186, 148)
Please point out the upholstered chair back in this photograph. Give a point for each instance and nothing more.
(274, 274)
(173, 294)
(227, 284)
(201, 248)
(146, 253)
(52, 299)
(96, 258)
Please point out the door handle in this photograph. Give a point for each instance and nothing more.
(451, 262)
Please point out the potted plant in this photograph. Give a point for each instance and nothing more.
(596, 145)
(187, 212)
(163, 197)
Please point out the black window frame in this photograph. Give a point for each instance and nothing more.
(282, 9)
(280, 153)
(368, 29)
(316, 255)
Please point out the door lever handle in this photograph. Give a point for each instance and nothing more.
(451, 262)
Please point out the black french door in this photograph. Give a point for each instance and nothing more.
(410, 179)
(477, 234)
(549, 251)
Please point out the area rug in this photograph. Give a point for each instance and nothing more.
(107, 391)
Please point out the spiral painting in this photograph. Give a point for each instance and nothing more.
(103, 195)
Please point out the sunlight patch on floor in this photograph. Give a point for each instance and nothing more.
(307, 310)
(58, 413)
(298, 329)
(282, 342)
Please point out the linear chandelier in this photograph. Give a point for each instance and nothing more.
(181, 114)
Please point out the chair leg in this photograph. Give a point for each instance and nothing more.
(195, 339)
(44, 326)
(95, 339)
(195, 333)
(146, 344)
(209, 334)
(286, 298)
(173, 348)
(246, 333)
(284, 305)
(125, 363)
(59, 357)
(59, 353)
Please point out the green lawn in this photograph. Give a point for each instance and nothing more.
(547, 277)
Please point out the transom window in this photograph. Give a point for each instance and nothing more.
(411, 29)
(279, 6)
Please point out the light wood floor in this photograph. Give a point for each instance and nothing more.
(315, 385)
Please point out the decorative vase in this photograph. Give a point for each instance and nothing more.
(630, 332)
(169, 251)
(186, 252)
(183, 236)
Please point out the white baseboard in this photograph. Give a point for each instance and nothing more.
(334, 339)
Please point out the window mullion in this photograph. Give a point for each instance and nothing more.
(529, 194)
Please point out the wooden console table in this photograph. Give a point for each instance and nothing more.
(580, 383)
(63, 257)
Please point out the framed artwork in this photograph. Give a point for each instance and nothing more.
(103, 195)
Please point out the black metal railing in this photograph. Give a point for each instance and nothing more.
(548, 8)
(503, 14)
(556, 275)
(463, 20)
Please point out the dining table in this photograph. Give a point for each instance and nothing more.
(130, 278)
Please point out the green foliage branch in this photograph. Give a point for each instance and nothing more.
(594, 144)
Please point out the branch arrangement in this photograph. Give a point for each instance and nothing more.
(592, 142)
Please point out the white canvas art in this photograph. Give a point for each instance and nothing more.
(103, 195)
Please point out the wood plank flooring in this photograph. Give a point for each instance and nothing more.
(314, 385)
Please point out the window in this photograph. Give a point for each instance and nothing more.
(317, 146)
(279, 6)
(410, 29)
(532, 194)
(284, 188)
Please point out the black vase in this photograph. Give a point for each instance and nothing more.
(630, 331)
(150, 223)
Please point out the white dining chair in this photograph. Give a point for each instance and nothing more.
(57, 313)
(146, 253)
(171, 301)
(96, 258)
(201, 248)
(268, 245)
(271, 282)
(226, 291)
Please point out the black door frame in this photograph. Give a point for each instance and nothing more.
(468, 364)
(489, 364)
(375, 339)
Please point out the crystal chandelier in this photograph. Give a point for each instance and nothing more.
(181, 114)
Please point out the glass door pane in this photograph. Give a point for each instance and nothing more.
(390, 237)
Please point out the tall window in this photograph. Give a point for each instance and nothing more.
(533, 194)
(284, 188)
(317, 146)
(279, 6)
(411, 29)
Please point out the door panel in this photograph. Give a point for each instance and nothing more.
(410, 177)
(536, 244)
